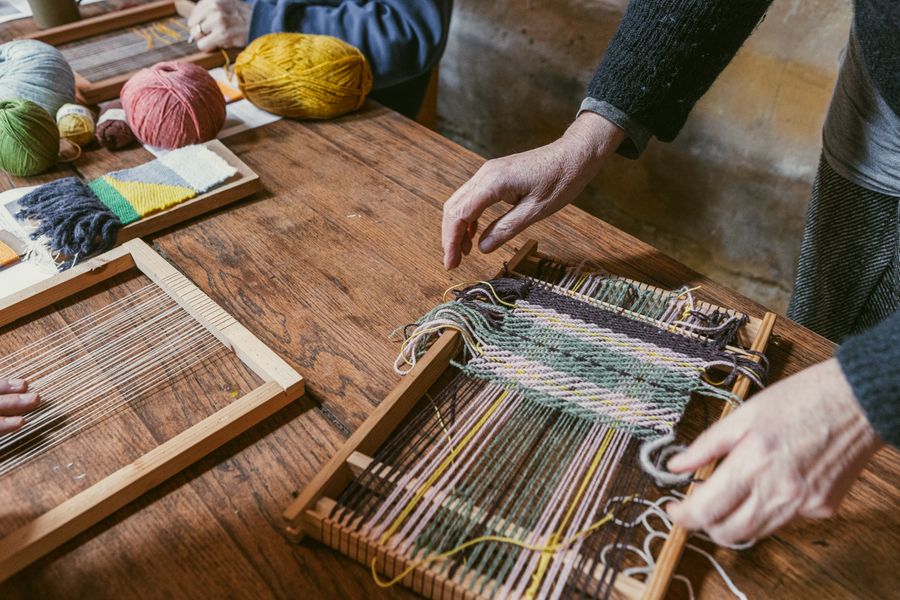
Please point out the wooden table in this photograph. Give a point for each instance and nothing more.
(342, 247)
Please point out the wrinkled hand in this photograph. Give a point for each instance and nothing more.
(220, 24)
(15, 402)
(793, 450)
(536, 183)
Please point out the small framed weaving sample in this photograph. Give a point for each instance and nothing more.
(510, 461)
(104, 51)
(140, 374)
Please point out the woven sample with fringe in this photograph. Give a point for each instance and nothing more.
(77, 220)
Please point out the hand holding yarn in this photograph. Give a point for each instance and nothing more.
(15, 401)
(793, 450)
(537, 183)
(220, 24)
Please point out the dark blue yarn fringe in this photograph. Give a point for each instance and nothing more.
(76, 222)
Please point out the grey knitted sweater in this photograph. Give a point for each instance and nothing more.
(666, 54)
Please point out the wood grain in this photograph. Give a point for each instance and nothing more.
(341, 248)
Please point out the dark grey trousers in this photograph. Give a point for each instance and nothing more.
(848, 275)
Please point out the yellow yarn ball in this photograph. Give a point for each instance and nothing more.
(303, 76)
(76, 124)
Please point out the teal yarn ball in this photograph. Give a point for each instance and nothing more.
(35, 71)
(29, 138)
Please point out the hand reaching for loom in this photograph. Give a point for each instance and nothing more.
(536, 183)
(15, 402)
(793, 450)
(220, 24)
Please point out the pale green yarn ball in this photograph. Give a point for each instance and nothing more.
(29, 138)
(35, 71)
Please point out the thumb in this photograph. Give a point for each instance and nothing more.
(715, 442)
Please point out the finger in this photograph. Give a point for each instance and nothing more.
(743, 524)
(508, 226)
(466, 243)
(18, 404)
(12, 386)
(200, 12)
(713, 443)
(213, 40)
(465, 207)
(714, 500)
(10, 424)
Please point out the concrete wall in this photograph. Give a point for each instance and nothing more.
(728, 197)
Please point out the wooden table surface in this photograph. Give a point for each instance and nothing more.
(342, 247)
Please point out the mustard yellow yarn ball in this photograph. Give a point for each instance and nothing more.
(303, 76)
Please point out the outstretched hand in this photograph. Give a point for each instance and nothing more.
(15, 402)
(536, 183)
(793, 450)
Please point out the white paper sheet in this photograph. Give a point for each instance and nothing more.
(22, 274)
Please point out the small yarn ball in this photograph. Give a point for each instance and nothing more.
(171, 105)
(29, 138)
(113, 131)
(76, 124)
(36, 71)
(303, 76)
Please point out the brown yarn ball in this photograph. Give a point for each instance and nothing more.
(113, 131)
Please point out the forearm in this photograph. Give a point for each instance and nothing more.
(400, 38)
(871, 363)
(662, 59)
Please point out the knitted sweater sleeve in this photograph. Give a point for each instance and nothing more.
(663, 57)
(871, 363)
(400, 38)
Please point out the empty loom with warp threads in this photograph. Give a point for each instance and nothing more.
(528, 470)
(72, 220)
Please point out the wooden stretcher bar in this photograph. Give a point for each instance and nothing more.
(107, 89)
(309, 514)
(281, 385)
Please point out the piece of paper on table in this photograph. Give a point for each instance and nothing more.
(11, 10)
(240, 115)
(23, 274)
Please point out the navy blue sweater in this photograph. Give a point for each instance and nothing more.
(402, 39)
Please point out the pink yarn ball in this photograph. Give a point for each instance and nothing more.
(173, 104)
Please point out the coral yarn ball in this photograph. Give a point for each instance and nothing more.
(171, 105)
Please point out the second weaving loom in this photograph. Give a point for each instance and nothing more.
(517, 482)
(76, 220)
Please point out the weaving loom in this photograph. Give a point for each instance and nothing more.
(105, 51)
(528, 472)
(130, 352)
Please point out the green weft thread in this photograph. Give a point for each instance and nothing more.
(456, 527)
(523, 432)
(566, 434)
(114, 201)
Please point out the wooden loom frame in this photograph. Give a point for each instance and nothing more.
(308, 515)
(107, 89)
(281, 386)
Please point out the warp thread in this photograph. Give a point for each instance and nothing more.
(113, 130)
(36, 71)
(172, 105)
(303, 76)
(29, 138)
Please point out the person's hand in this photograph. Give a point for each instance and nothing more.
(793, 450)
(220, 24)
(15, 402)
(537, 183)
